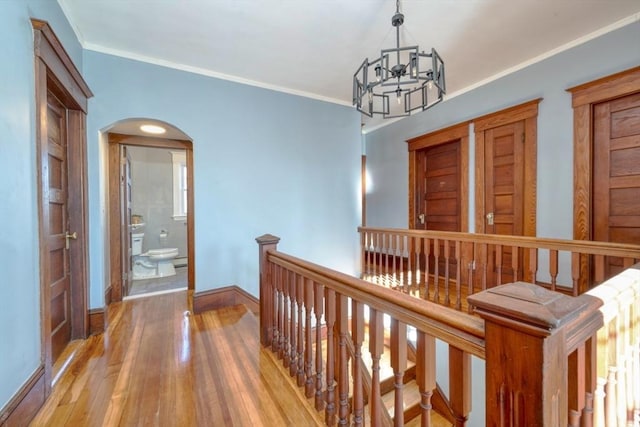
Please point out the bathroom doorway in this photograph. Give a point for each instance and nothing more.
(151, 215)
(155, 211)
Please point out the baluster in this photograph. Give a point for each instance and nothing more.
(576, 385)
(635, 376)
(275, 345)
(515, 263)
(436, 270)
(427, 254)
(458, 275)
(318, 310)
(377, 266)
(416, 266)
(498, 249)
(484, 265)
(363, 254)
(622, 338)
(295, 324)
(472, 268)
(376, 347)
(330, 310)
(386, 242)
(599, 403)
(343, 369)
(426, 374)
(401, 266)
(284, 350)
(447, 249)
(591, 375)
(575, 272)
(411, 260)
(460, 383)
(587, 412)
(300, 297)
(553, 268)
(399, 365)
(600, 397)
(611, 400)
(357, 333)
(394, 240)
(308, 351)
(599, 268)
(533, 265)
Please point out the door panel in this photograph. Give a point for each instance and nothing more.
(616, 174)
(504, 192)
(57, 225)
(438, 189)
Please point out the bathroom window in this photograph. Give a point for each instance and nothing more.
(179, 159)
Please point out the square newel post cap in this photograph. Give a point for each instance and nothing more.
(531, 306)
(267, 239)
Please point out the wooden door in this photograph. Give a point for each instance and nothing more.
(438, 188)
(504, 193)
(616, 174)
(438, 197)
(56, 225)
(125, 240)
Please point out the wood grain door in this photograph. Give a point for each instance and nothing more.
(438, 188)
(504, 191)
(438, 195)
(125, 162)
(616, 174)
(56, 225)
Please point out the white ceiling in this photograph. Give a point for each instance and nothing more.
(313, 47)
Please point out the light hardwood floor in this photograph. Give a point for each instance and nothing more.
(159, 365)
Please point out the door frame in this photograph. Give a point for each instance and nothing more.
(459, 131)
(528, 112)
(584, 97)
(115, 140)
(55, 72)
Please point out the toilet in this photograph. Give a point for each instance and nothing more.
(153, 263)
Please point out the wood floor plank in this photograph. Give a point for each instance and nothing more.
(159, 365)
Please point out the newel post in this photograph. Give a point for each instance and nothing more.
(266, 243)
(529, 334)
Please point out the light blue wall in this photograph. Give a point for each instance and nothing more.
(387, 155)
(19, 290)
(264, 162)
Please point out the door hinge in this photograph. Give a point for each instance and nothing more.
(522, 137)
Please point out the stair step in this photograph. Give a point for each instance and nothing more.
(411, 395)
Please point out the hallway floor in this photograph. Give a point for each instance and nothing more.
(158, 364)
(160, 284)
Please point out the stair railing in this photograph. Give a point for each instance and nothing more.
(551, 359)
(299, 300)
(446, 267)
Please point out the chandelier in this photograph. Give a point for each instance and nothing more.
(399, 82)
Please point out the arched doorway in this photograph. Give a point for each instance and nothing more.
(119, 136)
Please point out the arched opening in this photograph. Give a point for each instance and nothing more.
(159, 211)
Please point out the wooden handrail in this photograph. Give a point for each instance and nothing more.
(582, 246)
(462, 330)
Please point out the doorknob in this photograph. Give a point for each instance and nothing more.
(68, 236)
(490, 218)
(421, 218)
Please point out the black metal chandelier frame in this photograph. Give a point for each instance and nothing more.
(416, 79)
